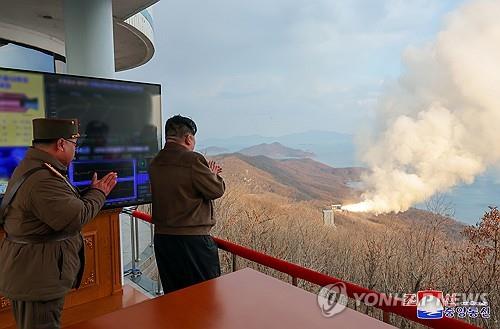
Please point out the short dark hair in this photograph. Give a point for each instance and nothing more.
(180, 126)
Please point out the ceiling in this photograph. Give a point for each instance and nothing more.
(46, 17)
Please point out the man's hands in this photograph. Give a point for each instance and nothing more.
(214, 167)
(105, 184)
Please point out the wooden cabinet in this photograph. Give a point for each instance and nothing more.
(102, 276)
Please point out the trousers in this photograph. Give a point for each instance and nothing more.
(38, 314)
(184, 260)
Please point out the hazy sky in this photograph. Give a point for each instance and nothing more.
(281, 66)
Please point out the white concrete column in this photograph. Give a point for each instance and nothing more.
(88, 28)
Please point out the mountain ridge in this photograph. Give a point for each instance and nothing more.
(275, 150)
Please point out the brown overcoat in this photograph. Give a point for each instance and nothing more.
(43, 206)
(183, 188)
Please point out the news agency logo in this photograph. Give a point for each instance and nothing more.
(332, 299)
(433, 304)
(430, 304)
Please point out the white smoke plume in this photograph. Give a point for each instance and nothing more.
(441, 122)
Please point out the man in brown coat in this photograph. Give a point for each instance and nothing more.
(183, 186)
(41, 258)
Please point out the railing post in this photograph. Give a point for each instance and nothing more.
(233, 259)
(137, 252)
(151, 228)
(132, 245)
(386, 317)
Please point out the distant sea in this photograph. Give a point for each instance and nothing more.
(471, 201)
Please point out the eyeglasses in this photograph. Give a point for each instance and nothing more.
(74, 143)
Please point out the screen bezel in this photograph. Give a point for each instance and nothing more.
(102, 79)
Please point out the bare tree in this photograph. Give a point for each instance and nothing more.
(440, 204)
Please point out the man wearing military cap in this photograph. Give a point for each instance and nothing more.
(41, 258)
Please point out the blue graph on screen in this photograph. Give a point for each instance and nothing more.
(10, 157)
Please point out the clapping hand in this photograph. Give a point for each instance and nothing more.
(105, 184)
(214, 167)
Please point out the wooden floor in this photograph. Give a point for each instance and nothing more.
(130, 297)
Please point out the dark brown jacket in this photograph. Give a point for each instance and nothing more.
(43, 205)
(183, 188)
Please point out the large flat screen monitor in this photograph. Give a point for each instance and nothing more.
(120, 122)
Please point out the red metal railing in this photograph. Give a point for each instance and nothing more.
(390, 305)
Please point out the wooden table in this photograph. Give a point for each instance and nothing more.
(245, 299)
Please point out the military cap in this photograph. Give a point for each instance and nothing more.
(49, 129)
